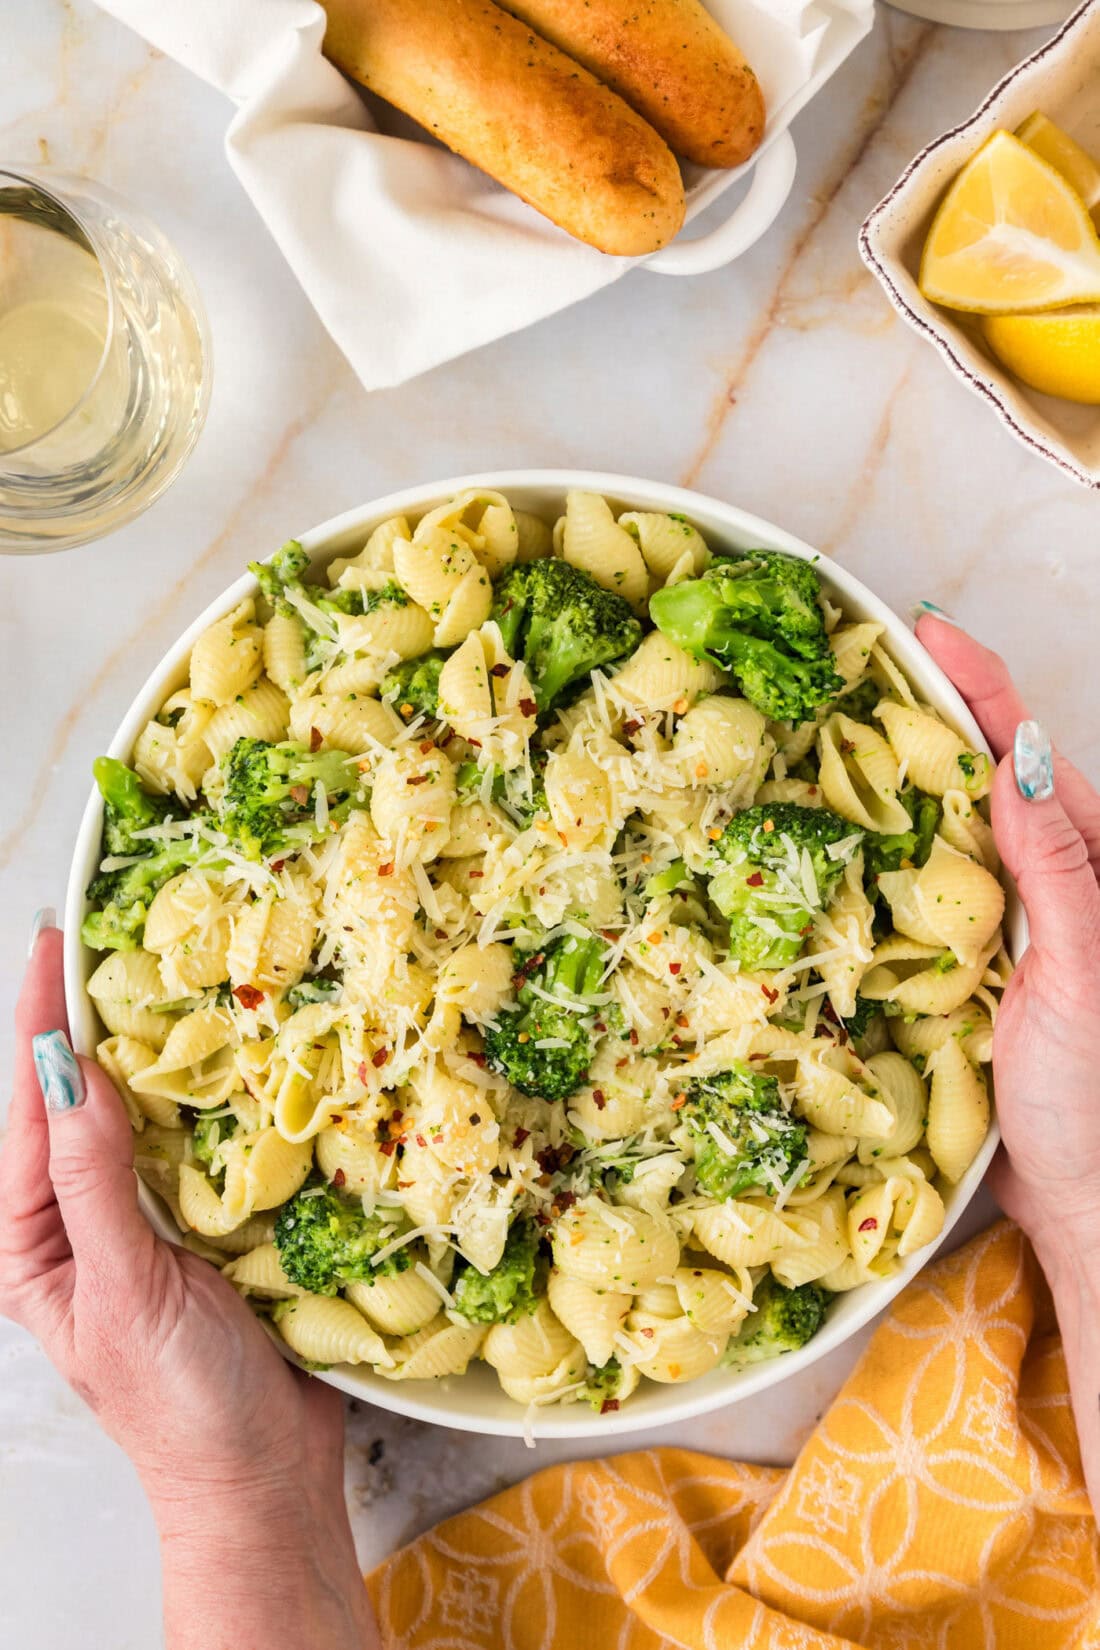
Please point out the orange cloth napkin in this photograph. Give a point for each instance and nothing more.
(940, 1503)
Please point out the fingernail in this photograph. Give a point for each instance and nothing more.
(59, 1076)
(44, 918)
(919, 609)
(1033, 762)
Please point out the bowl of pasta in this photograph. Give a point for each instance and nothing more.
(546, 933)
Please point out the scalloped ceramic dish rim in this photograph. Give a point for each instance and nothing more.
(985, 378)
(474, 1402)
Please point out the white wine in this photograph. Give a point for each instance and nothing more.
(103, 357)
(54, 317)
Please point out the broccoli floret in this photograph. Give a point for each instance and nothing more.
(125, 896)
(761, 881)
(759, 617)
(127, 807)
(268, 804)
(413, 685)
(284, 569)
(784, 1320)
(280, 580)
(318, 990)
(562, 624)
(326, 1241)
(858, 1022)
(207, 1135)
(883, 852)
(603, 1386)
(743, 1134)
(508, 1291)
(521, 794)
(673, 876)
(571, 971)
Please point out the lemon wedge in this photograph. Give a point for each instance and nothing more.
(1010, 235)
(1059, 150)
(1057, 352)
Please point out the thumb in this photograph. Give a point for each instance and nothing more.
(1046, 854)
(91, 1161)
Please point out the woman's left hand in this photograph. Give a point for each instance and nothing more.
(230, 1441)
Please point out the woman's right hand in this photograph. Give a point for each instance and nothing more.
(1046, 1042)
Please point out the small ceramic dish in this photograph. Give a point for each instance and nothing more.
(475, 1402)
(1063, 80)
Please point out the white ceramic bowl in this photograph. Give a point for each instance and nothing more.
(1062, 79)
(474, 1402)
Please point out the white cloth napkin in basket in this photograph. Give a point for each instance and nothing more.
(409, 255)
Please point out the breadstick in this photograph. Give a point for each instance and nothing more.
(495, 92)
(670, 60)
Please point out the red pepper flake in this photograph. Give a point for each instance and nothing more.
(441, 934)
(520, 1136)
(807, 928)
(543, 1218)
(674, 968)
(418, 778)
(475, 874)
(608, 1405)
(772, 996)
(813, 790)
(869, 1225)
(379, 1057)
(600, 1098)
(528, 707)
(499, 670)
(316, 739)
(634, 1037)
(479, 1059)
(681, 1020)
(769, 825)
(847, 746)
(300, 794)
(421, 1142)
(598, 1025)
(396, 1116)
(609, 934)
(563, 1201)
(756, 880)
(248, 996)
(437, 1138)
(679, 1102)
(426, 747)
(387, 1147)
(619, 1064)
(339, 1178)
(363, 1072)
(649, 1333)
(554, 1158)
(475, 1119)
(403, 1185)
(630, 728)
(407, 710)
(277, 864)
(387, 869)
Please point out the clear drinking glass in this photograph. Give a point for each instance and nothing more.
(104, 362)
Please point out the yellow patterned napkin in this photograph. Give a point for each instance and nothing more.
(940, 1503)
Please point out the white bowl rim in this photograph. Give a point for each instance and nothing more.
(942, 338)
(440, 1403)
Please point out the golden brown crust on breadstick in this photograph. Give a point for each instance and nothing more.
(670, 60)
(494, 91)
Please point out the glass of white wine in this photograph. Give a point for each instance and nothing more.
(104, 362)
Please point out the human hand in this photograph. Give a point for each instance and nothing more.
(237, 1451)
(1046, 1043)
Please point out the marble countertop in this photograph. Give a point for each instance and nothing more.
(783, 383)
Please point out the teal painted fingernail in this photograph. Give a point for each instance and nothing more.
(46, 917)
(920, 608)
(59, 1076)
(1033, 762)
